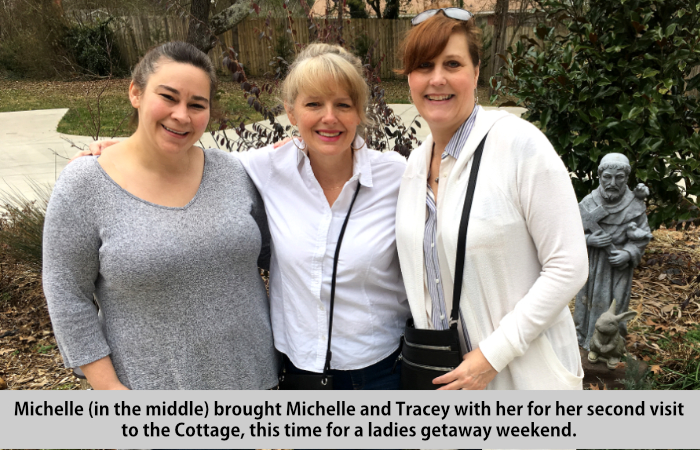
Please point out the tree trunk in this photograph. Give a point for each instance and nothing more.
(499, 38)
(202, 32)
(199, 33)
(341, 10)
(375, 5)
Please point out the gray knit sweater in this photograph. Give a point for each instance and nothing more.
(181, 302)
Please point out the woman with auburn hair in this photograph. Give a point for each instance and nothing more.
(310, 186)
(525, 255)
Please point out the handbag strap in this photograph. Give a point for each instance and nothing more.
(462, 237)
(327, 366)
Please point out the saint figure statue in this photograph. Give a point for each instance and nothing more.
(617, 232)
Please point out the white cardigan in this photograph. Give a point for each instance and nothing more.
(526, 252)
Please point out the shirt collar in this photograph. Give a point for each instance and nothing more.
(454, 147)
(361, 165)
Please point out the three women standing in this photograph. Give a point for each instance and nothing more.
(525, 255)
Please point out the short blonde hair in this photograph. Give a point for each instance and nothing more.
(316, 65)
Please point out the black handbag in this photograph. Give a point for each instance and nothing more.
(318, 381)
(428, 354)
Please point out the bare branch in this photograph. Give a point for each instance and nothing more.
(230, 17)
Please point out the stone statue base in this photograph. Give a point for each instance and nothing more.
(602, 376)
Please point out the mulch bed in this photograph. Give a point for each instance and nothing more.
(29, 358)
(665, 293)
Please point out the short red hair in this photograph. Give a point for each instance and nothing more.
(428, 39)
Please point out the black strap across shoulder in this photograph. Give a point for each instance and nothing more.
(462, 237)
(327, 365)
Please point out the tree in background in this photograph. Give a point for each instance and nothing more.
(391, 9)
(204, 28)
(498, 39)
(618, 79)
(357, 9)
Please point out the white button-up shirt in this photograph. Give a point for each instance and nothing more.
(370, 301)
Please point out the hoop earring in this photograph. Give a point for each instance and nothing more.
(353, 141)
(296, 135)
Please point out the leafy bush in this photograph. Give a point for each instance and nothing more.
(364, 48)
(357, 9)
(94, 49)
(618, 81)
(284, 51)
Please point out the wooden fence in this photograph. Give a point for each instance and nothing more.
(135, 35)
(256, 54)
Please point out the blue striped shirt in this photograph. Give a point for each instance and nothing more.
(440, 317)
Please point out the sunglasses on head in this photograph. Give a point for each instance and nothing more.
(452, 13)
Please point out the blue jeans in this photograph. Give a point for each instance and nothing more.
(376, 377)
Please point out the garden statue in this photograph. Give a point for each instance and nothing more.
(607, 344)
(617, 232)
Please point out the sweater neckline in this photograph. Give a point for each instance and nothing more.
(156, 205)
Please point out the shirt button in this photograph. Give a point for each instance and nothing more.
(442, 317)
(437, 280)
(433, 244)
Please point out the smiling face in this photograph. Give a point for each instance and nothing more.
(173, 107)
(443, 88)
(327, 123)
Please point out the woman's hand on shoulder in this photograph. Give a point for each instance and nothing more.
(279, 144)
(475, 373)
(94, 149)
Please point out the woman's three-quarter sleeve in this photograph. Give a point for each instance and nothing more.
(70, 267)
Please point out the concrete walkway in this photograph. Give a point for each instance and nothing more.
(31, 150)
(28, 140)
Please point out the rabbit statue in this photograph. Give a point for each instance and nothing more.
(607, 344)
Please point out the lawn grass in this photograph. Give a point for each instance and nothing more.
(81, 99)
(82, 96)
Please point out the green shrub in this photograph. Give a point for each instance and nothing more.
(364, 47)
(94, 48)
(357, 9)
(618, 81)
(284, 52)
